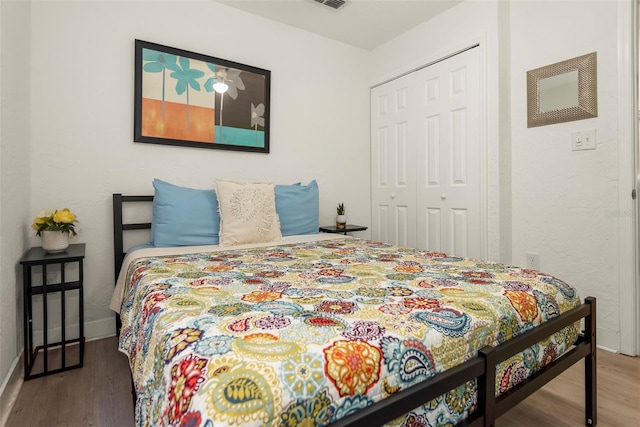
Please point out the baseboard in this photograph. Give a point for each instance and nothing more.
(94, 330)
(610, 350)
(607, 339)
(98, 329)
(10, 389)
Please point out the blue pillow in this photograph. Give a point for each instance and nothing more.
(298, 208)
(184, 216)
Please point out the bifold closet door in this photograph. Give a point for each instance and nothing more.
(393, 165)
(448, 153)
(426, 174)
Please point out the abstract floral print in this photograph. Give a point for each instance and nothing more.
(306, 334)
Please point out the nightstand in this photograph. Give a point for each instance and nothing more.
(55, 355)
(347, 229)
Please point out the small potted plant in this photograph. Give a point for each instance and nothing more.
(341, 218)
(55, 228)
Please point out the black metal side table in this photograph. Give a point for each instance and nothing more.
(347, 229)
(38, 257)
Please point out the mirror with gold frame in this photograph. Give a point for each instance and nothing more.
(563, 92)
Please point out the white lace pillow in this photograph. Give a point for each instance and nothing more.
(247, 212)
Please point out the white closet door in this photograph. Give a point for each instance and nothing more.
(393, 162)
(425, 158)
(448, 152)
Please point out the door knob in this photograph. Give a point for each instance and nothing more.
(393, 195)
(443, 196)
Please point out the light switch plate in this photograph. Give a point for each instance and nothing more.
(583, 140)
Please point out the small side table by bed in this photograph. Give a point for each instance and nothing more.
(34, 262)
(347, 229)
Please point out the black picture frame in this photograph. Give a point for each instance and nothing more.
(175, 101)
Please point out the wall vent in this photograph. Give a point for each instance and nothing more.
(333, 4)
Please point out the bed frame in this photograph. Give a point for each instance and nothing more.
(482, 368)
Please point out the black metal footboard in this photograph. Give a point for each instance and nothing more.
(483, 368)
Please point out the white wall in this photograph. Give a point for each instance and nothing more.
(459, 27)
(82, 85)
(542, 197)
(565, 202)
(14, 185)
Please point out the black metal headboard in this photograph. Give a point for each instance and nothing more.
(119, 227)
(118, 235)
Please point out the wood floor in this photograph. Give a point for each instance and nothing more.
(99, 395)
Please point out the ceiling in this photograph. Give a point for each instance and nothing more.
(362, 23)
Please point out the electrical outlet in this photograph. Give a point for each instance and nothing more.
(533, 261)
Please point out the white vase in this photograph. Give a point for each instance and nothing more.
(341, 221)
(55, 241)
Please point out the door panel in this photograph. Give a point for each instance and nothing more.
(380, 223)
(432, 145)
(393, 154)
(433, 227)
(459, 147)
(459, 238)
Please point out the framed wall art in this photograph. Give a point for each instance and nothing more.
(194, 100)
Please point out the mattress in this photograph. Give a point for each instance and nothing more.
(308, 331)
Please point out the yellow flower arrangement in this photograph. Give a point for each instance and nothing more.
(59, 220)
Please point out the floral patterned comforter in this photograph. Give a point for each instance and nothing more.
(305, 334)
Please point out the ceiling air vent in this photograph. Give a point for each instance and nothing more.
(333, 4)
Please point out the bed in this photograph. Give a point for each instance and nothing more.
(330, 330)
